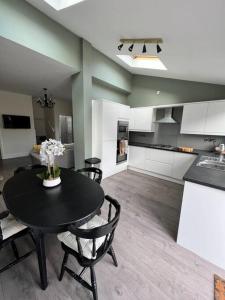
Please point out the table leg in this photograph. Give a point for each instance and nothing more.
(40, 248)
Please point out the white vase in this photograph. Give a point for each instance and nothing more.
(51, 182)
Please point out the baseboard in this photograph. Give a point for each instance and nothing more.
(156, 175)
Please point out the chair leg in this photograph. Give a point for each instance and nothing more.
(65, 259)
(15, 250)
(111, 252)
(94, 283)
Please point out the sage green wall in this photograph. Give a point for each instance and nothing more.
(101, 90)
(99, 78)
(171, 91)
(108, 71)
(25, 25)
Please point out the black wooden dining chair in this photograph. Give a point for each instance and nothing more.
(10, 230)
(89, 244)
(93, 173)
(22, 169)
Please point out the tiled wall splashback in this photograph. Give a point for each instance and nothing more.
(169, 134)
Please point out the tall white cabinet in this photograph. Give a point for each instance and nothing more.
(105, 116)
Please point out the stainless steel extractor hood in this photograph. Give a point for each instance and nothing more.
(167, 117)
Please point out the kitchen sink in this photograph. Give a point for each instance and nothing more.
(212, 162)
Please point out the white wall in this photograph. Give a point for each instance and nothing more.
(16, 142)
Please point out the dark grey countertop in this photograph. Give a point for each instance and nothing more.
(153, 146)
(200, 175)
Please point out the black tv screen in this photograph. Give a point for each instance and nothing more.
(12, 121)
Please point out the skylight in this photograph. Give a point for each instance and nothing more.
(143, 61)
(61, 4)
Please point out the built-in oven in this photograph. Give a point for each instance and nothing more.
(122, 141)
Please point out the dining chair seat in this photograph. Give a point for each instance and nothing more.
(70, 240)
(9, 226)
(89, 243)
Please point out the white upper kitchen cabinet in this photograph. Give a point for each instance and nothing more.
(123, 112)
(215, 118)
(141, 119)
(194, 118)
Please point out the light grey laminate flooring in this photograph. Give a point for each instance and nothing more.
(151, 265)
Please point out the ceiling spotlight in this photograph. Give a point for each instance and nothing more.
(120, 47)
(158, 48)
(144, 50)
(131, 48)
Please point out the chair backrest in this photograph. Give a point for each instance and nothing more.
(93, 173)
(106, 231)
(22, 169)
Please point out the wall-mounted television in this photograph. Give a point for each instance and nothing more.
(13, 121)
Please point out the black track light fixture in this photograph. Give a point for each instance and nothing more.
(144, 50)
(120, 47)
(131, 48)
(158, 48)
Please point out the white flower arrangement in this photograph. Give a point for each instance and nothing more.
(49, 149)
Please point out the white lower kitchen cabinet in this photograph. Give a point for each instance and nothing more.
(159, 167)
(137, 157)
(162, 156)
(160, 163)
(181, 163)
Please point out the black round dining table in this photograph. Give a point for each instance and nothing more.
(50, 210)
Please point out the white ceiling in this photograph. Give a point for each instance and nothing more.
(193, 32)
(25, 71)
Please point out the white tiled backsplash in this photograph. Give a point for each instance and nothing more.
(169, 134)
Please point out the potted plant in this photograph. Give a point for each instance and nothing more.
(49, 149)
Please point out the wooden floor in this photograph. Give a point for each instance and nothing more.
(151, 265)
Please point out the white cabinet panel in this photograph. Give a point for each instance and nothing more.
(137, 157)
(148, 153)
(194, 118)
(162, 162)
(159, 167)
(181, 163)
(124, 112)
(162, 156)
(141, 119)
(109, 121)
(215, 118)
(108, 157)
(131, 121)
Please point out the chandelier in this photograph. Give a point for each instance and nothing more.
(45, 100)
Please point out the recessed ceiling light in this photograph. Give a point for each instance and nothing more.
(61, 4)
(143, 61)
